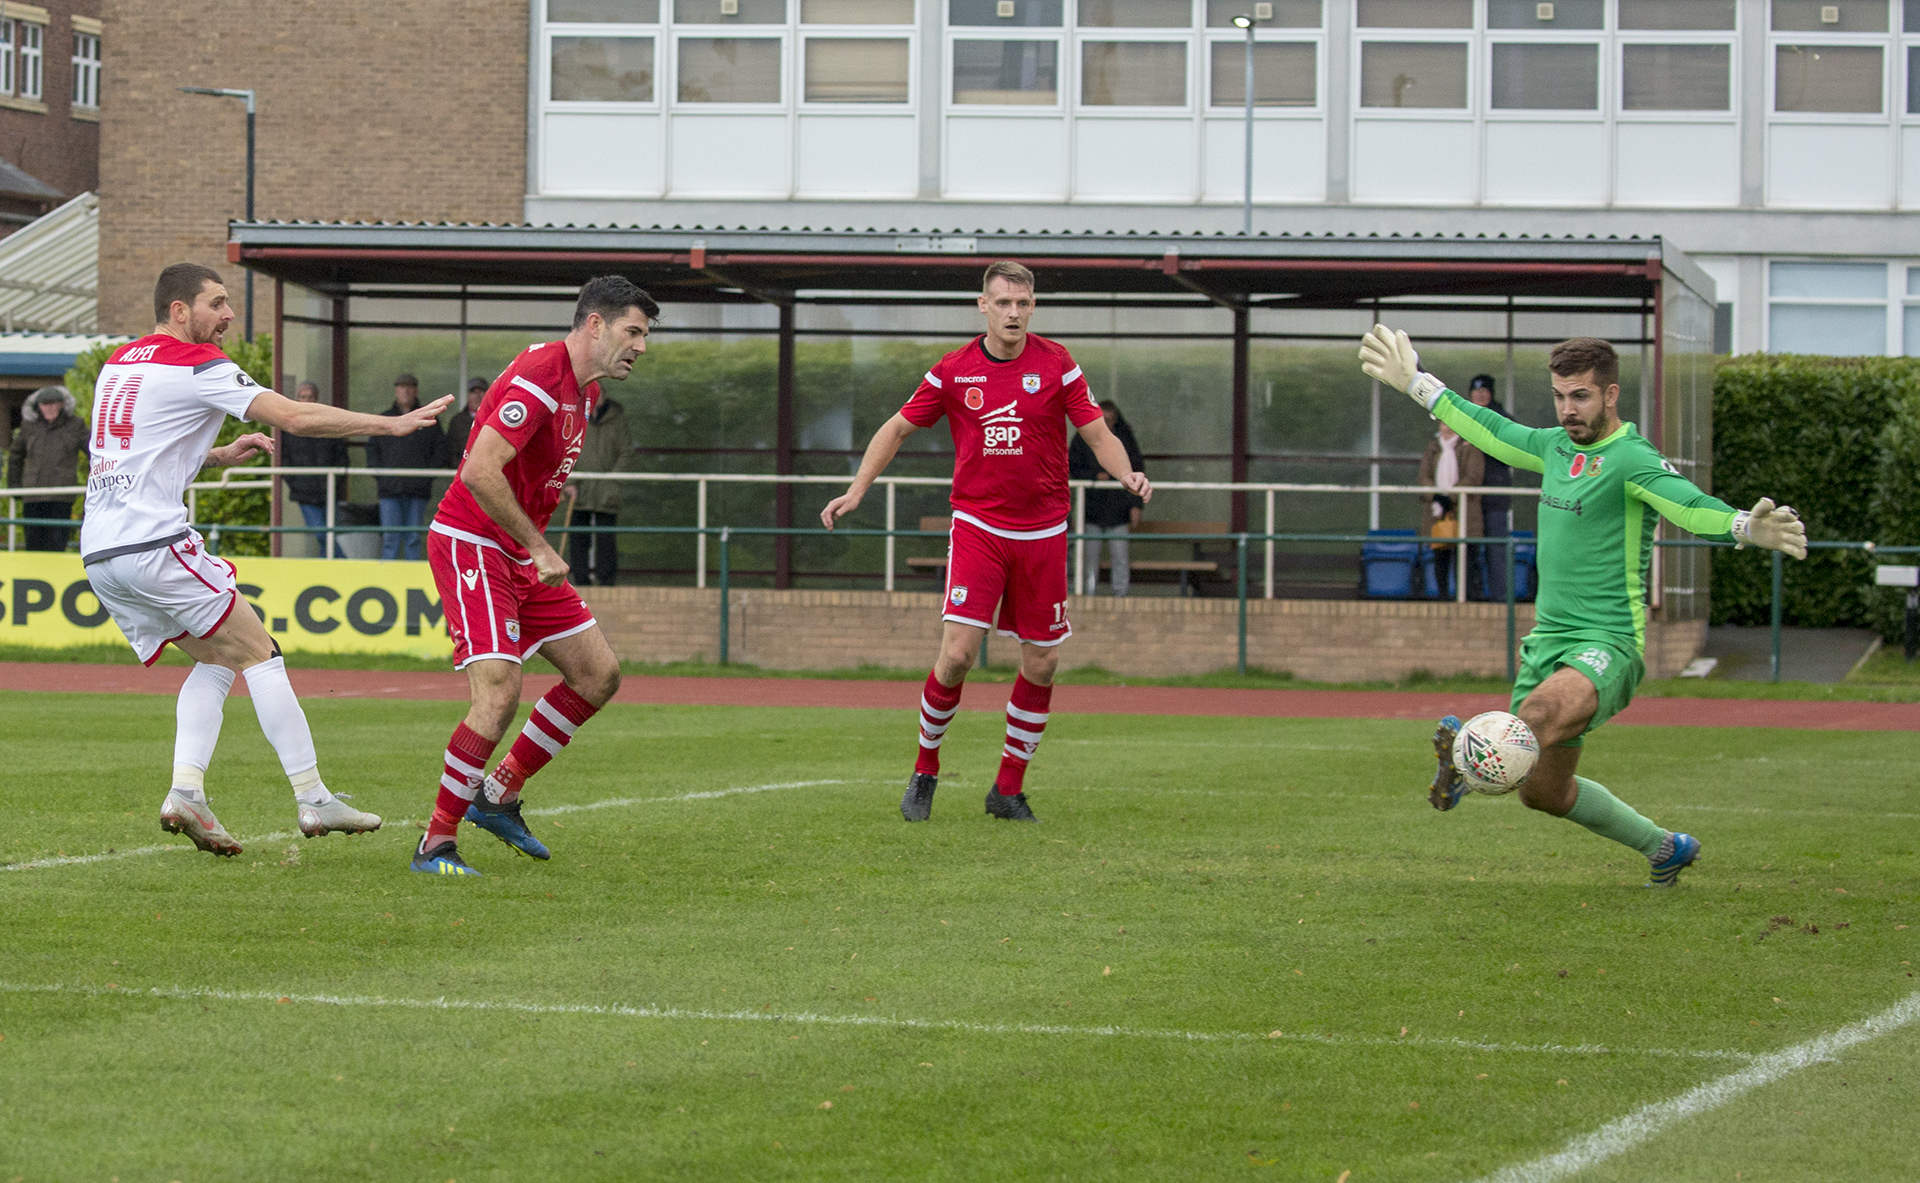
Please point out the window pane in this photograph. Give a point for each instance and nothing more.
(1135, 14)
(1016, 72)
(603, 69)
(1836, 330)
(605, 12)
(1856, 16)
(1133, 73)
(856, 12)
(752, 12)
(1913, 281)
(1676, 14)
(1283, 74)
(1828, 281)
(1546, 77)
(730, 69)
(1567, 14)
(1912, 24)
(1826, 78)
(1416, 14)
(1287, 14)
(1412, 74)
(1913, 331)
(850, 70)
(1033, 14)
(1913, 79)
(1676, 78)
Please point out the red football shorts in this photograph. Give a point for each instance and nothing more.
(496, 606)
(1026, 577)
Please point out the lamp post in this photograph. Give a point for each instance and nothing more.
(1246, 210)
(250, 104)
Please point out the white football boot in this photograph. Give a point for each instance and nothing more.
(181, 815)
(336, 816)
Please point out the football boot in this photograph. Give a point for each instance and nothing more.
(1448, 785)
(336, 817)
(917, 804)
(1009, 809)
(183, 815)
(1675, 855)
(505, 823)
(443, 859)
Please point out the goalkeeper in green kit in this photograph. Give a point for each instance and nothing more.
(1602, 485)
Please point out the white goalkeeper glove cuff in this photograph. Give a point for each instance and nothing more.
(1426, 390)
(1770, 528)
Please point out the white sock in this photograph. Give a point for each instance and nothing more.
(285, 725)
(197, 720)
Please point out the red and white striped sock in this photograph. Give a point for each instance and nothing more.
(460, 776)
(554, 719)
(1026, 722)
(937, 706)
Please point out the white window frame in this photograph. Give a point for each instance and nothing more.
(1289, 36)
(86, 71)
(1066, 72)
(805, 33)
(1904, 44)
(623, 30)
(30, 60)
(1727, 37)
(1477, 85)
(7, 27)
(1891, 303)
(1164, 35)
(1606, 82)
(1890, 46)
(789, 92)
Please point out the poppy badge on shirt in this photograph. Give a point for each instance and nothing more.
(976, 398)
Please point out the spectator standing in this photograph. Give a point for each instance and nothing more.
(1112, 512)
(310, 492)
(46, 454)
(1450, 462)
(403, 499)
(595, 558)
(1489, 559)
(461, 425)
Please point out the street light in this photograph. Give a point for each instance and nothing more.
(1246, 210)
(248, 96)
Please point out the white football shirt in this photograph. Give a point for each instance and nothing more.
(157, 407)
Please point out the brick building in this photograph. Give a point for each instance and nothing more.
(49, 106)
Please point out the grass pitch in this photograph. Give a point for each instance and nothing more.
(1236, 948)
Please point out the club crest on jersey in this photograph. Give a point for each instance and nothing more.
(957, 596)
(513, 631)
(1030, 383)
(514, 413)
(976, 398)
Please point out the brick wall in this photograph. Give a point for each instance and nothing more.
(1319, 640)
(375, 111)
(46, 139)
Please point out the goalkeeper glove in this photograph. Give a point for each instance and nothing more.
(1772, 529)
(1388, 356)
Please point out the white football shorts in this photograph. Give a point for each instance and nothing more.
(166, 593)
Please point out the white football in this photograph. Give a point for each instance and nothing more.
(1494, 752)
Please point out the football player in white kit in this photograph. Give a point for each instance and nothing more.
(158, 406)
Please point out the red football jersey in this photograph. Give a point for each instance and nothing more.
(1009, 438)
(538, 408)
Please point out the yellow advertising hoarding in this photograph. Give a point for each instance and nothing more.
(315, 605)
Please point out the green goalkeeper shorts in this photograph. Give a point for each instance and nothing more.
(1614, 669)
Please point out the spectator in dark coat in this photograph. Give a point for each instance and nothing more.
(403, 499)
(608, 448)
(1489, 560)
(1112, 512)
(310, 492)
(461, 425)
(46, 455)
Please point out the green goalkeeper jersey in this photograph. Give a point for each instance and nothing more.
(1596, 534)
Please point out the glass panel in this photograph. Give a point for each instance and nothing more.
(1287, 14)
(1828, 281)
(1913, 281)
(603, 69)
(729, 70)
(1135, 14)
(1413, 74)
(1033, 14)
(1133, 74)
(1546, 77)
(604, 12)
(1913, 331)
(1856, 16)
(1284, 74)
(1912, 24)
(1676, 14)
(1416, 14)
(1826, 78)
(1015, 72)
(1913, 79)
(752, 12)
(1837, 330)
(856, 70)
(856, 12)
(1567, 14)
(1676, 78)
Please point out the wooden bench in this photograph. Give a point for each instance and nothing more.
(1186, 569)
(932, 562)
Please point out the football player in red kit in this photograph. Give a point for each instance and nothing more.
(504, 589)
(1005, 396)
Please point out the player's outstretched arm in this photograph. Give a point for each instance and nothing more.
(1770, 527)
(880, 453)
(1112, 455)
(320, 421)
(1388, 356)
(241, 450)
(484, 475)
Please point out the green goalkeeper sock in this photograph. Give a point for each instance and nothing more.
(1610, 817)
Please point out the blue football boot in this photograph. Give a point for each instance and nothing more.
(1680, 851)
(1448, 785)
(505, 823)
(443, 859)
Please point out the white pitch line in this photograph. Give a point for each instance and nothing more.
(1840, 813)
(1617, 1137)
(185, 993)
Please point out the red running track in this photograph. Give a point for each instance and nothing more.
(1087, 700)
